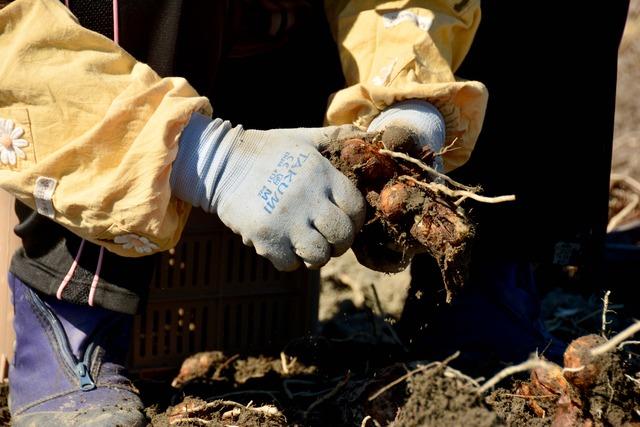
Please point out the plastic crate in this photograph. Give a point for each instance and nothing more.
(209, 293)
(212, 292)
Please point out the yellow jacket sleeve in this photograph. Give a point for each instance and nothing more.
(396, 50)
(87, 133)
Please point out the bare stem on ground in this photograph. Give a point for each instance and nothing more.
(382, 314)
(613, 342)
(622, 344)
(413, 372)
(266, 410)
(329, 395)
(631, 182)
(368, 418)
(510, 370)
(624, 212)
(605, 309)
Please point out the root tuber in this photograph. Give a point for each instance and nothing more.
(584, 369)
(405, 217)
(398, 200)
(549, 379)
(368, 165)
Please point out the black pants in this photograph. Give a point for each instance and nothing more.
(547, 138)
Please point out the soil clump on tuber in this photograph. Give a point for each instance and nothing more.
(407, 211)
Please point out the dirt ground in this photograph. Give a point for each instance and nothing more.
(364, 380)
(354, 372)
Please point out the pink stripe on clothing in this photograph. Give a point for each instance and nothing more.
(116, 23)
(74, 265)
(69, 275)
(96, 277)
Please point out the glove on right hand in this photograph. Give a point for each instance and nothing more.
(418, 116)
(272, 187)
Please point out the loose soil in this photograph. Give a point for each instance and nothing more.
(339, 388)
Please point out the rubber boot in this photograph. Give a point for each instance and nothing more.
(494, 320)
(68, 364)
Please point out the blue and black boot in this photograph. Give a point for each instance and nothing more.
(68, 364)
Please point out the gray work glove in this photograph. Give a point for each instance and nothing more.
(272, 187)
(418, 116)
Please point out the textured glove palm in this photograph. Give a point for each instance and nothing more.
(272, 187)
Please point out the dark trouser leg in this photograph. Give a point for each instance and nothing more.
(495, 318)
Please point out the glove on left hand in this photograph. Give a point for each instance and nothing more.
(272, 187)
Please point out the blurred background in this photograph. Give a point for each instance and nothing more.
(626, 145)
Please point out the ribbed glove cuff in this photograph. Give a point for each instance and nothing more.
(211, 158)
(418, 115)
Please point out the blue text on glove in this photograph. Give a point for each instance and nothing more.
(280, 179)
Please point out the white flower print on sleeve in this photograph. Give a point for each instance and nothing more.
(142, 245)
(10, 142)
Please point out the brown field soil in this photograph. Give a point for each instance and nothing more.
(363, 380)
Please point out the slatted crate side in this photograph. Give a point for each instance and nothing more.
(214, 293)
(218, 264)
(191, 266)
(167, 332)
(250, 324)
